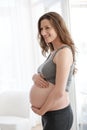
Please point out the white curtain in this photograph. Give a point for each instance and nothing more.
(18, 53)
(79, 32)
(16, 46)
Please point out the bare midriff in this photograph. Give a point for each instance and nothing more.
(39, 95)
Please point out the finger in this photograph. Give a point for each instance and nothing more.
(41, 82)
(44, 83)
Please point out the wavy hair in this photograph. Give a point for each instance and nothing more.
(61, 29)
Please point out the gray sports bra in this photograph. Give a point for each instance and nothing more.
(48, 69)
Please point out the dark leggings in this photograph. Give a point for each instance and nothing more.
(58, 120)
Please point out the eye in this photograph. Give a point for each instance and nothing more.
(47, 28)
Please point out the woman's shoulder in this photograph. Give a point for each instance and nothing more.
(63, 53)
(62, 49)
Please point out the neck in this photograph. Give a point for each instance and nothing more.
(57, 43)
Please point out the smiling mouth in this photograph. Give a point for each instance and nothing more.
(46, 38)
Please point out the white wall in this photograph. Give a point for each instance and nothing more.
(16, 46)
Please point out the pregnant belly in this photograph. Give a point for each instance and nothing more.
(39, 95)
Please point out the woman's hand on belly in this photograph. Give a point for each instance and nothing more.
(37, 111)
(40, 81)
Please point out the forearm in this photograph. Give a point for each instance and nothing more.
(54, 98)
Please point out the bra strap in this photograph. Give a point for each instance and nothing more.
(60, 49)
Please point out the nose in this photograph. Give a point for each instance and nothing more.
(43, 32)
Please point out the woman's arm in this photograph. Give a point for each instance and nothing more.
(63, 60)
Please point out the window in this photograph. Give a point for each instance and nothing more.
(78, 19)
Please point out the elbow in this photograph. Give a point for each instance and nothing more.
(59, 95)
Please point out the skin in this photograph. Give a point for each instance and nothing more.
(39, 81)
(58, 98)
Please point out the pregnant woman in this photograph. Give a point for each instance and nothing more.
(49, 96)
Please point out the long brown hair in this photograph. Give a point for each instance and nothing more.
(61, 29)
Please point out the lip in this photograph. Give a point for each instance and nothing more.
(46, 37)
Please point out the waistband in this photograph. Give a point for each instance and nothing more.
(59, 111)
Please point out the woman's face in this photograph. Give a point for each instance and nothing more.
(47, 31)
